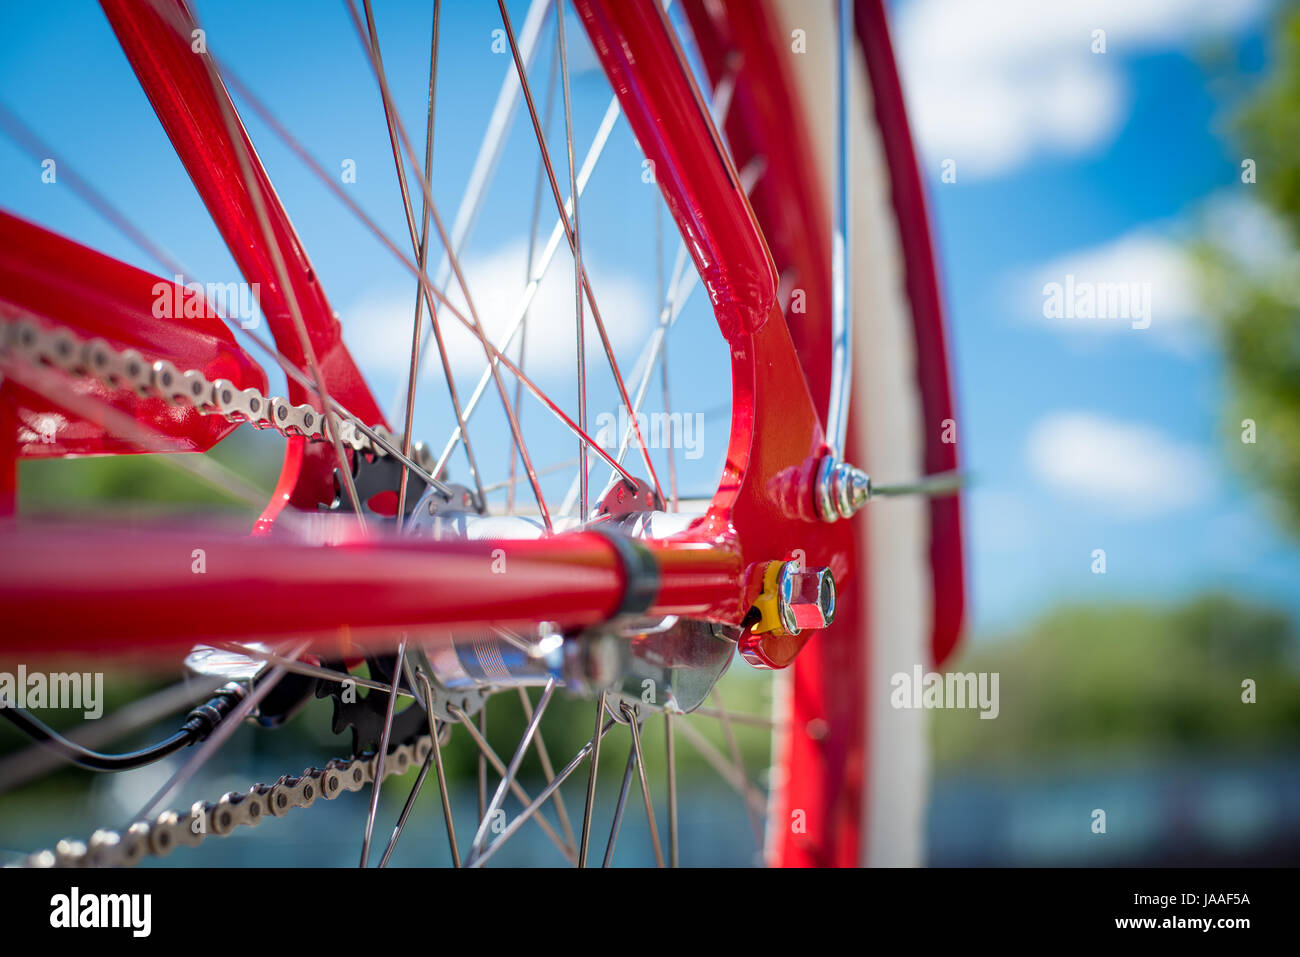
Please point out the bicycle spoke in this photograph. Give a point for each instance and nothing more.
(511, 770)
(544, 758)
(302, 668)
(755, 720)
(705, 748)
(594, 152)
(519, 792)
(670, 746)
(532, 808)
(663, 366)
(208, 470)
(382, 754)
(34, 146)
(645, 785)
(234, 133)
(580, 328)
(591, 782)
(421, 677)
(497, 358)
(541, 473)
(406, 808)
(477, 328)
(618, 808)
(528, 275)
(490, 149)
(482, 762)
(420, 245)
(581, 277)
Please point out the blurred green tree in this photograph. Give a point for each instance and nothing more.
(1135, 680)
(1253, 293)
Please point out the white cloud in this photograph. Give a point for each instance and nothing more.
(380, 323)
(1130, 469)
(991, 82)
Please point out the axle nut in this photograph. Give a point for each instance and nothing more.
(806, 597)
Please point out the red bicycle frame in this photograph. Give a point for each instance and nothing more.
(86, 589)
(108, 591)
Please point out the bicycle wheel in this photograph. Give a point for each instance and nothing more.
(631, 595)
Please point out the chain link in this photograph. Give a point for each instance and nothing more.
(160, 378)
(62, 349)
(158, 836)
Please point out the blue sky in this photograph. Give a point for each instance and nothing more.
(1088, 435)
(1079, 436)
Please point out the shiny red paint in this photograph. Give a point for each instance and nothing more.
(103, 590)
(824, 744)
(763, 508)
(58, 282)
(180, 87)
(67, 589)
(289, 472)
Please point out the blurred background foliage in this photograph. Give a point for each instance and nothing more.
(1129, 680)
(1254, 298)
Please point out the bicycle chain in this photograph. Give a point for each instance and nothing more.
(158, 836)
(129, 369)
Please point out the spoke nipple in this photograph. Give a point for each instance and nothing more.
(840, 489)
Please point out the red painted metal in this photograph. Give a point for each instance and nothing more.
(289, 472)
(178, 84)
(59, 282)
(66, 589)
(933, 369)
(763, 508)
(824, 745)
(102, 590)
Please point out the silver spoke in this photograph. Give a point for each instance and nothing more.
(477, 326)
(584, 495)
(406, 809)
(234, 130)
(528, 275)
(511, 770)
(543, 265)
(490, 149)
(714, 757)
(591, 781)
(550, 789)
(645, 785)
(582, 278)
(48, 383)
(842, 238)
(544, 757)
(420, 246)
(670, 745)
(302, 668)
(515, 789)
(382, 755)
(618, 808)
(421, 677)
